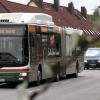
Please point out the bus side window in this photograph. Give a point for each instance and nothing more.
(76, 51)
(31, 40)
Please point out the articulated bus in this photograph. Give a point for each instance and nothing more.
(33, 48)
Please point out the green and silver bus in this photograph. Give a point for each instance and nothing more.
(33, 48)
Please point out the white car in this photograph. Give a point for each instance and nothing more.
(92, 58)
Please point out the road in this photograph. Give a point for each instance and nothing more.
(85, 87)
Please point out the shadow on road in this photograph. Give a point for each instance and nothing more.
(33, 84)
(14, 85)
(8, 85)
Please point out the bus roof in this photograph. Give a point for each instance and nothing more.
(33, 18)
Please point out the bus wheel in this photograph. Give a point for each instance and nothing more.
(39, 77)
(76, 73)
(57, 77)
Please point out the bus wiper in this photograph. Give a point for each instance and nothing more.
(8, 61)
(8, 58)
(15, 61)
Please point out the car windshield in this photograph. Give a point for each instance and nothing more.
(93, 52)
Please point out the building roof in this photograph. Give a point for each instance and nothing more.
(62, 17)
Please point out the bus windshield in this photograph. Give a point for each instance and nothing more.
(13, 45)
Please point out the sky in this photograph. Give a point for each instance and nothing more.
(89, 4)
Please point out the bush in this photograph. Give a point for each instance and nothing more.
(83, 42)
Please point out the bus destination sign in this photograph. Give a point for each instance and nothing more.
(7, 31)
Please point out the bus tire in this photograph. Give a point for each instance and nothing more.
(75, 75)
(58, 73)
(87, 68)
(39, 77)
(57, 77)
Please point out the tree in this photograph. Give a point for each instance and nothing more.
(96, 16)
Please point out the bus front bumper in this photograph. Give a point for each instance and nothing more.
(12, 77)
(92, 65)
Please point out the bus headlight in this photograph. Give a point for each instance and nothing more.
(23, 74)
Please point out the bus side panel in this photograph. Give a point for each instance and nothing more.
(32, 74)
(70, 59)
(52, 57)
(71, 67)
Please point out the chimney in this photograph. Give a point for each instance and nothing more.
(84, 11)
(40, 2)
(71, 7)
(56, 5)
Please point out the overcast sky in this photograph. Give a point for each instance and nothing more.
(89, 4)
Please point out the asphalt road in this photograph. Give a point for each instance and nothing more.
(85, 87)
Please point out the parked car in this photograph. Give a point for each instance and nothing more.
(92, 58)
